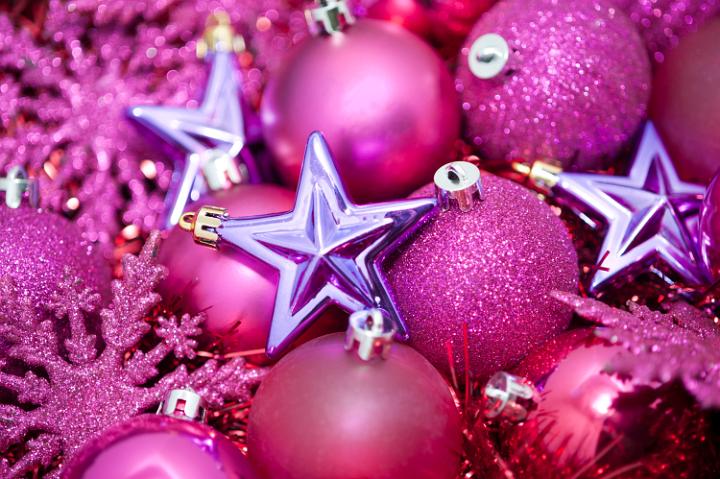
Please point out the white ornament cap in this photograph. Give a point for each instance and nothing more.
(458, 184)
(184, 404)
(508, 396)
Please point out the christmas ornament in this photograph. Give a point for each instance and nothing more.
(78, 394)
(682, 344)
(588, 422)
(38, 249)
(553, 85)
(352, 86)
(710, 228)
(663, 22)
(172, 444)
(218, 122)
(231, 288)
(489, 269)
(650, 213)
(327, 249)
(685, 103)
(393, 411)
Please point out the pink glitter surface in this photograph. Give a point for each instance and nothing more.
(575, 87)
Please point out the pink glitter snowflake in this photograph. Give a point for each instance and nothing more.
(682, 344)
(84, 389)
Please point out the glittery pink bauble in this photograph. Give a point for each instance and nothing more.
(575, 87)
(323, 413)
(710, 227)
(234, 290)
(159, 447)
(663, 22)
(383, 99)
(588, 422)
(685, 103)
(491, 268)
(38, 248)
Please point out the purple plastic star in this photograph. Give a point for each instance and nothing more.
(328, 250)
(212, 136)
(650, 214)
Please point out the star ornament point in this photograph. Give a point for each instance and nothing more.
(327, 250)
(651, 214)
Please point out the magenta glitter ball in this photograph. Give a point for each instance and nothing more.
(710, 227)
(234, 290)
(491, 268)
(323, 413)
(575, 87)
(685, 103)
(37, 248)
(588, 422)
(383, 99)
(159, 447)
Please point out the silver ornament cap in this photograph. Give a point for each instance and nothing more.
(488, 56)
(16, 184)
(221, 171)
(329, 17)
(184, 404)
(371, 333)
(508, 396)
(458, 184)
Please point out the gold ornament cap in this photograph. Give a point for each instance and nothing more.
(204, 224)
(219, 36)
(542, 174)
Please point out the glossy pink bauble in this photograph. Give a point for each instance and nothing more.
(38, 248)
(383, 99)
(491, 268)
(159, 447)
(236, 291)
(710, 228)
(685, 103)
(410, 14)
(588, 419)
(323, 413)
(565, 92)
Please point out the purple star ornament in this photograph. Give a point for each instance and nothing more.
(327, 249)
(650, 214)
(212, 137)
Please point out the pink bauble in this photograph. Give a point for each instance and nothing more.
(490, 268)
(710, 227)
(565, 92)
(685, 103)
(323, 413)
(159, 447)
(383, 99)
(38, 249)
(234, 290)
(663, 22)
(588, 419)
(410, 14)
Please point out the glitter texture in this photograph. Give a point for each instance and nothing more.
(85, 390)
(662, 22)
(491, 268)
(575, 87)
(682, 344)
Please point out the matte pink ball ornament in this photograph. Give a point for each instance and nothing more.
(567, 80)
(383, 98)
(355, 406)
(172, 445)
(488, 265)
(235, 291)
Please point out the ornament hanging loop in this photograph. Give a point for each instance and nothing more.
(16, 184)
(329, 17)
(508, 396)
(203, 224)
(458, 183)
(372, 332)
(219, 36)
(488, 56)
(184, 404)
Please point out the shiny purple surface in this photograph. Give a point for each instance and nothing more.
(650, 214)
(383, 99)
(158, 447)
(234, 290)
(565, 93)
(327, 249)
(710, 228)
(218, 121)
(492, 268)
(323, 413)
